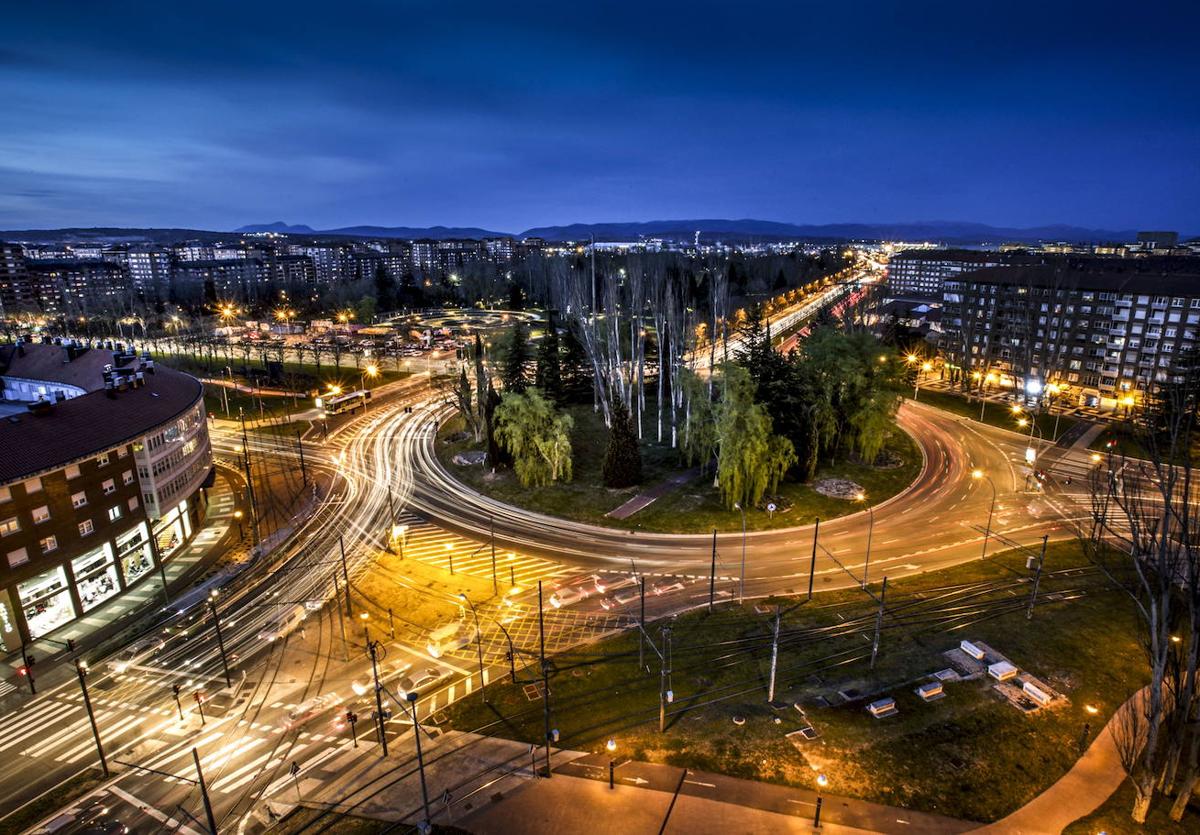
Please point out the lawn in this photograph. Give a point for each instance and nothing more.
(693, 507)
(1113, 817)
(995, 414)
(970, 755)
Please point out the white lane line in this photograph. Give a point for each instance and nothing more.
(146, 808)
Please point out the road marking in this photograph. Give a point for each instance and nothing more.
(173, 824)
(698, 783)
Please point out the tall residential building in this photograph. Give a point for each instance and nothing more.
(920, 272)
(102, 481)
(242, 279)
(329, 261)
(149, 269)
(79, 288)
(16, 292)
(1109, 329)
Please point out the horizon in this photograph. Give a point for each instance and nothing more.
(518, 118)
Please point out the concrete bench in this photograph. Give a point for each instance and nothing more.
(1036, 693)
(1002, 671)
(972, 650)
(930, 691)
(882, 707)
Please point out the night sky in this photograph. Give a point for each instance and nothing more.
(511, 115)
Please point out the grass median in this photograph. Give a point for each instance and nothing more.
(691, 507)
(971, 755)
(997, 414)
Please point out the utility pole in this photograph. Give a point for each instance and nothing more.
(774, 658)
(492, 535)
(372, 647)
(337, 605)
(1037, 579)
(212, 605)
(642, 626)
(712, 573)
(878, 622)
(812, 566)
(300, 443)
(81, 670)
(412, 701)
(664, 695)
(345, 575)
(249, 477)
(208, 810)
(545, 674)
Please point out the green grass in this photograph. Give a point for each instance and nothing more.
(63, 795)
(1113, 817)
(295, 375)
(969, 755)
(693, 507)
(996, 414)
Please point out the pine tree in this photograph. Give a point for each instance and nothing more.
(513, 372)
(576, 371)
(548, 376)
(622, 458)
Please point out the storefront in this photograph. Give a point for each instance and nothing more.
(10, 638)
(95, 577)
(46, 602)
(135, 554)
(173, 529)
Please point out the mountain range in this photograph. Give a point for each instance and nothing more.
(955, 232)
(959, 233)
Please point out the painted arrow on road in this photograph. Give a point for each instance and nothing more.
(637, 781)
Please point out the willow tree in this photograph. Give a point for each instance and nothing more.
(537, 437)
(751, 458)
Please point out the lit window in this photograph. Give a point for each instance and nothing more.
(5, 494)
(79, 499)
(86, 527)
(109, 487)
(41, 514)
(122, 452)
(33, 485)
(48, 544)
(127, 477)
(133, 503)
(102, 460)
(9, 526)
(17, 557)
(72, 471)
(114, 513)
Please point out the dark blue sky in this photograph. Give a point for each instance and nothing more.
(507, 115)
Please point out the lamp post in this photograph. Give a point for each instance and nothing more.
(212, 605)
(742, 582)
(371, 371)
(237, 515)
(478, 644)
(862, 497)
(987, 532)
(822, 782)
(373, 651)
(412, 703)
(611, 746)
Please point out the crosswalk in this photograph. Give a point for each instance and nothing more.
(432, 545)
(59, 729)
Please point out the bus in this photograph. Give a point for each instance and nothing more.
(348, 402)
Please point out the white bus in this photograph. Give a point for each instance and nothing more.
(283, 624)
(348, 402)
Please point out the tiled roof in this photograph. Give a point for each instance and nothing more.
(91, 423)
(48, 362)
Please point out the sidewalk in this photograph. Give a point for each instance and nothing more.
(644, 499)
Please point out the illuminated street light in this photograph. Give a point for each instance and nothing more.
(611, 746)
(862, 497)
(977, 475)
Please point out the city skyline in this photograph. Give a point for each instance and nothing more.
(415, 115)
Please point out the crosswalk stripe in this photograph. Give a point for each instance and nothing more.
(310, 763)
(266, 767)
(250, 742)
(17, 736)
(75, 732)
(162, 759)
(108, 735)
(39, 714)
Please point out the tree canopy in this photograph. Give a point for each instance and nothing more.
(538, 437)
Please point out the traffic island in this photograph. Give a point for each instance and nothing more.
(966, 755)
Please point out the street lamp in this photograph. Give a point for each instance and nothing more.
(212, 605)
(478, 644)
(862, 497)
(611, 746)
(237, 514)
(371, 371)
(742, 583)
(980, 474)
(822, 782)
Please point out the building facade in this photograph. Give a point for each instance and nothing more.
(1104, 330)
(107, 459)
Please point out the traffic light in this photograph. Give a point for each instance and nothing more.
(22, 671)
(71, 645)
(351, 717)
(175, 689)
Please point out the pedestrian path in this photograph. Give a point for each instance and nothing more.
(459, 555)
(647, 497)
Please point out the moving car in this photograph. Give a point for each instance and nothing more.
(567, 596)
(611, 582)
(667, 584)
(417, 683)
(448, 638)
(387, 672)
(304, 711)
(283, 624)
(135, 654)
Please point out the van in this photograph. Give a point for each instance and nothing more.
(283, 625)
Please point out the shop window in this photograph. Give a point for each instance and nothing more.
(127, 477)
(95, 577)
(41, 514)
(109, 487)
(114, 513)
(9, 526)
(33, 485)
(134, 553)
(86, 527)
(72, 471)
(17, 557)
(48, 544)
(79, 499)
(46, 602)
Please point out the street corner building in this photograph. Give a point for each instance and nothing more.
(104, 464)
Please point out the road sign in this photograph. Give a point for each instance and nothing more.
(771, 508)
